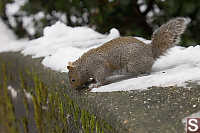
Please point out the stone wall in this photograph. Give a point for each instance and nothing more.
(45, 103)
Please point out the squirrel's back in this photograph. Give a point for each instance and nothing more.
(112, 46)
(118, 51)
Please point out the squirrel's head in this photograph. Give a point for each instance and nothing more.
(75, 78)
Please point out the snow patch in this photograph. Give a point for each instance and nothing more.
(13, 91)
(27, 94)
(14, 7)
(6, 34)
(61, 44)
(9, 41)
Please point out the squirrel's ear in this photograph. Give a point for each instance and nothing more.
(70, 65)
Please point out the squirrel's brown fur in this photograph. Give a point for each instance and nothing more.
(125, 55)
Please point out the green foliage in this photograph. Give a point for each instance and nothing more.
(125, 15)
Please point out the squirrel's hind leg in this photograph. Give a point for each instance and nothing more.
(143, 65)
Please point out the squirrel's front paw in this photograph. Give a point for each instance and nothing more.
(97, 85)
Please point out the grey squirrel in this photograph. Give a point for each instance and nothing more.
(125, 55)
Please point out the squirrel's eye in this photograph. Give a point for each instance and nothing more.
(73, 80)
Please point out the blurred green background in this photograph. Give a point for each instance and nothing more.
(130, 17)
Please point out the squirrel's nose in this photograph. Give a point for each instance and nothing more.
(81, 87)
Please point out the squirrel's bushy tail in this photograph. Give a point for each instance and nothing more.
(168, 35)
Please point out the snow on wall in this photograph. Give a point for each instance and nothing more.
(8, 40)
(61, 43)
